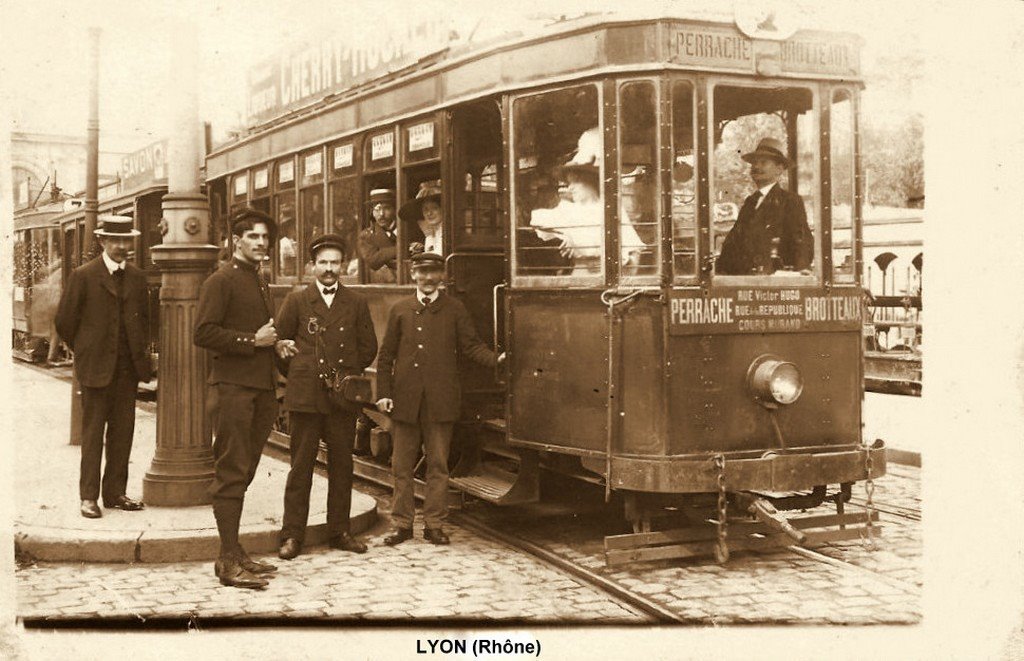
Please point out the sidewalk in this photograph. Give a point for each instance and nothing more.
(48, 524)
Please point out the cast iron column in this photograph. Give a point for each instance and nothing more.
(182, 467)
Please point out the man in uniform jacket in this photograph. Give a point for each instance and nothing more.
(377, 245)
(103, 316)
(323, 328)
(418, 384)
(771, 232)
(234, 323)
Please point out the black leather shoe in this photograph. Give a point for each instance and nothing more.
(398, 536)
(125, 503)
(230, 572)
(436, 536)
(91, 510)
(290, 548)
(255, 566)
(346, 542)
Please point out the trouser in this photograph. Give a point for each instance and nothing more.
(336, 429)
(436, 440)
(244, 419)
(111, 407)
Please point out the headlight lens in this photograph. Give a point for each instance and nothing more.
(774, 381)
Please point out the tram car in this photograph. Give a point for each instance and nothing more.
(707, 403)
(37, 284)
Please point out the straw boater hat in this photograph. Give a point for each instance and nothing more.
(413, 210)
(111, 225)
(382, 195)
(768, 148)
(326, 241)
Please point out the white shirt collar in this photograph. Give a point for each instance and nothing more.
(328, 298)
(764, 190)
(433, 297)
(111, 264)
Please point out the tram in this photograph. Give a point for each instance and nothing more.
(37, 284)
(708, 403)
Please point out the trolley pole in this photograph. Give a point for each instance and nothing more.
(92, 168)
(182, 467)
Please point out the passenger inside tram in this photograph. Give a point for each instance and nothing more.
(424, 219)
(577, 221)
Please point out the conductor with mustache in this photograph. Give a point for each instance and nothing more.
(325, 329)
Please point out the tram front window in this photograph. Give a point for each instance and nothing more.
(764, 181)
(558, 166)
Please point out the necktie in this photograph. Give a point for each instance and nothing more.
(426, 302)
(755, 198)
(119, 281)
(329, 291)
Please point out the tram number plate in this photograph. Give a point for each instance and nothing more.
(763, 310)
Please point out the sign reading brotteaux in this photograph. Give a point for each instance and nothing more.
(754, 310)
(308, 72)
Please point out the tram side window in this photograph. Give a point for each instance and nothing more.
(476, 130)
(841, 120)
(639, 226)
(684, 196)
(558, 169)
(345, 223)
(311, 199)
(764, 182)
(284, 210)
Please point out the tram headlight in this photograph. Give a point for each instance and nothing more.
(774, 381)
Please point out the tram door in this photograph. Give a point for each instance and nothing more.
(477, 263)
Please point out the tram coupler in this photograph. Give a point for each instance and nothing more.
(766, 513)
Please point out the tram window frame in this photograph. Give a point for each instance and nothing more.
(348, 176)
(587, 280)
(478, 223)
(312, 186)
(282, 190)
(841, 275)
(652, 175)
(683, 161)
(239, 200)
(811, 196)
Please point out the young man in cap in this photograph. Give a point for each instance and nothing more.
(234, 322)
(103, 316)
(378, 244)
(324, 329)
(418, 384)
(771, 231)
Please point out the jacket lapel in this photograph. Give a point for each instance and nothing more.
(104, 276)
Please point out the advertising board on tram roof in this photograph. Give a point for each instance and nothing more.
(145, 166)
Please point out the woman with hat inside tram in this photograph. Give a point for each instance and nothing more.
(425, 220)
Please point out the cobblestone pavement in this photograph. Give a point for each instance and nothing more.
(472, 579)
(860, 586)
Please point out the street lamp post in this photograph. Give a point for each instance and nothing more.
(182, 466)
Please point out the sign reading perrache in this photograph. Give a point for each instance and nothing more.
(762, 310)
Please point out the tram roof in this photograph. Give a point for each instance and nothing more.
(113, 202)
(536, 54)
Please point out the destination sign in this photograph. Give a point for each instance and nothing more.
(144, 167)
(726, 48)
(761, 310)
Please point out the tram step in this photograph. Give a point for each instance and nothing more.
(495, 485)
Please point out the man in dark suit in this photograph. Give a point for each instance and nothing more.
(234, 322)
(378, 244)
(103, 317)
(418, 384)
(771, 233)
(324, 329)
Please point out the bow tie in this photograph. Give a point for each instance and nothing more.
(329, 291)
(426, 302)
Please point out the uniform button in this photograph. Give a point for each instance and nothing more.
(342, 328)
(415, 364)
(321, 360)
(419, 328)
(419, 346)
(341, 345)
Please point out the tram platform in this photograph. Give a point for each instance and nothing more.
(47, 522)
